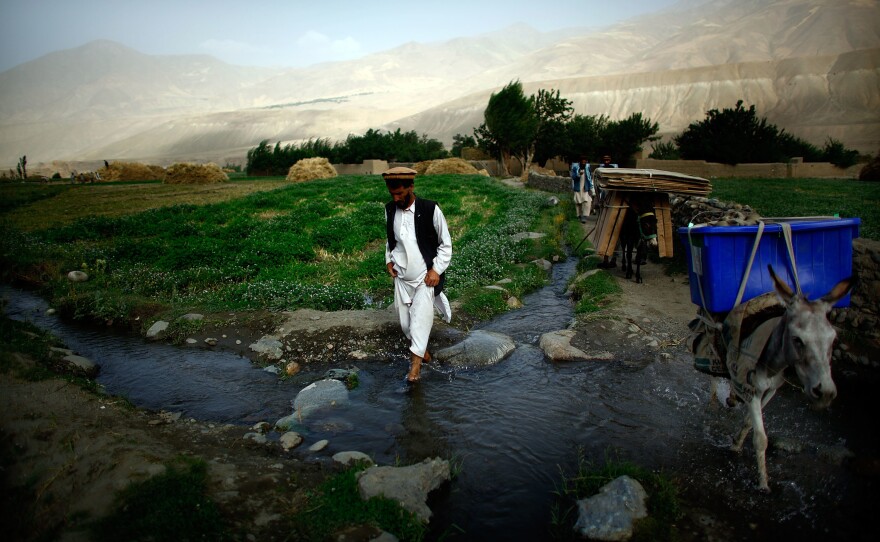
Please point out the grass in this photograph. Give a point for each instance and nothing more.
(167, 507)
(663, 504)
(254, 244)
(336, 504)
(592, 293)
(35, 207)
(807, 197)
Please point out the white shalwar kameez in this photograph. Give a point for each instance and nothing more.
(583, 200)
(414, 300)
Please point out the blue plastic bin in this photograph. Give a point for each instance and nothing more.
(717, 257)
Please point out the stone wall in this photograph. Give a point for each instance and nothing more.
(548, 183)
(862, 319)
(367, 167)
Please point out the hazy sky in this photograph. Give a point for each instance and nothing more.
(289, 33)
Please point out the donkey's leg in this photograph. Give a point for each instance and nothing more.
(759, 441)
(740, 440)
(641, 252)
(628, 261)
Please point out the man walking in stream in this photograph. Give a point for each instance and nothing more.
(417, 254)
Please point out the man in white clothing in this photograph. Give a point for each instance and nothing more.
(417, 253)
(582, 188)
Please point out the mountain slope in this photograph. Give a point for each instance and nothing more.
(810, 66)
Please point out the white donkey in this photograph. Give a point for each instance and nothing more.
(801, 338)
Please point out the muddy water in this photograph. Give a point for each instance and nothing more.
(512, 429)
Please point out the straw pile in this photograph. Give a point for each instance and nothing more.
(651, 180)
(451, 165)
(311, 168)
(194, 174)
(131, 171)
(422, 167)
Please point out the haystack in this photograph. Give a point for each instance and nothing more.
(451, 165)
(131, 171)
(311, 168)
(194, 174)
(422, 167)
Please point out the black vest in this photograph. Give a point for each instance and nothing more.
(426, 235)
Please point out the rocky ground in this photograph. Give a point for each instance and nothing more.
(74, 449)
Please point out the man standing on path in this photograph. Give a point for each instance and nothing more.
(582, 186)
(417, 254)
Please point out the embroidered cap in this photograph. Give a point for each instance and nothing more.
(399, 174)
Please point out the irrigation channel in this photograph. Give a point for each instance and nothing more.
(515, 428)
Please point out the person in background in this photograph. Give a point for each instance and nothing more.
(582, 188)
(417, 253)
(606, 162)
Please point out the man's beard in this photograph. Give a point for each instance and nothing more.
(405, 204)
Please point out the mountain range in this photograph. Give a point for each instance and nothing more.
(812, 67)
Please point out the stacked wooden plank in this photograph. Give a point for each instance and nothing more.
(663, 212)
(650, 180)
(609, 224)
(611, 218)
(620, 182)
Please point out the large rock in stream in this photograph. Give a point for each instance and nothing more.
(321, 394)
(479, 349)
(409, 486)
(557, 347)
(610, 514)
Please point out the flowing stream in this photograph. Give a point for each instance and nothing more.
(512, 430)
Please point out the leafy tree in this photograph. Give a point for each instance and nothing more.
(459, 142)
(553, 112)
(730, 136)
(621, 139)
(552, 142)
(259, 159)
(22, 167)
(738, 135)
(391, 146)
(511, 123)
(584, 137)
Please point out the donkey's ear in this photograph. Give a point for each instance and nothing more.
(840, 289)
(783, 290)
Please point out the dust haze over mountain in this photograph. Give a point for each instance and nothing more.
(811, 67)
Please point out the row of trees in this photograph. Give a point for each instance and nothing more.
(395, 146)
(543, 126)
(737, 135)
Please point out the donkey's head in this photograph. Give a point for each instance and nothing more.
(643, 207)
(808, 338)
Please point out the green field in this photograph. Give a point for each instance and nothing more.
(256, 243)
(806, 197)
(263, 243)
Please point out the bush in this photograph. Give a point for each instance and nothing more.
(871, 171)
(665, 150)
(839, 155)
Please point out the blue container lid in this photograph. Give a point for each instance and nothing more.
(773, 225)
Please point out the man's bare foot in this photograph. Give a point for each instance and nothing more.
(415, 369)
